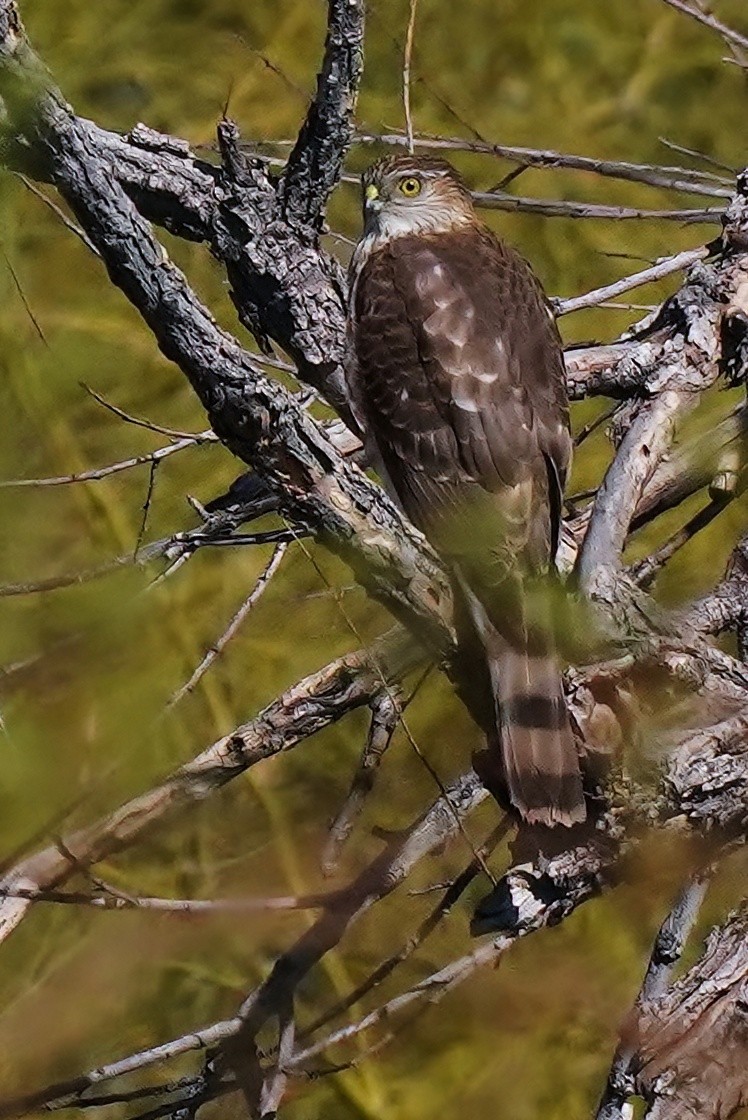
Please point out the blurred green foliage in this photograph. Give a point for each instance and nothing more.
(83, 726)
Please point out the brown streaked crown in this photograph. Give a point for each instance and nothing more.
(428, 166)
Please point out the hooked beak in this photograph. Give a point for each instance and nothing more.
(372, 201)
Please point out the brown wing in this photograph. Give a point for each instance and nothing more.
(460, 378)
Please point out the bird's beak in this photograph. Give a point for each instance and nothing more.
(372, 201)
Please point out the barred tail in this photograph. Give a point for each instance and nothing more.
(538, 753)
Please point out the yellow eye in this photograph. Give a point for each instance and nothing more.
(410, 186)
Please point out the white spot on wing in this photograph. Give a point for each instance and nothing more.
(464, 398)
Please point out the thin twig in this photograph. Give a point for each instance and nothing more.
(98, 473)
(52, 205)
(684, 179)
(662, 268)
(146, 506)
(139, 422)
(645, 571)
(562, 208)
(177, 550)
(22, 296)
(583, 434)
(407, 56)
(220, 644)
(66, 579)
(703, 156)
(727, 33)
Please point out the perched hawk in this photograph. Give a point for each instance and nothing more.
(457, 378)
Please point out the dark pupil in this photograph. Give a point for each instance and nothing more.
(410, 185)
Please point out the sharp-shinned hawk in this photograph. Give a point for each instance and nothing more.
(457, 378)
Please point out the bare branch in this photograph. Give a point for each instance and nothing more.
(691, 1041)
(98, 473)
(727, 33)
(58, 212)
(560, 208)
(669, 178)
(666, 951)
(665, 267)
(276, 1080)
(645, 443)
(315, 163)
(108, 901)
(220, 644)
(704, 781)
(385, 716)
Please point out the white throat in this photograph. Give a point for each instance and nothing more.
(391, 223)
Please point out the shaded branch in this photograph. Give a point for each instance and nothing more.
(385, 716)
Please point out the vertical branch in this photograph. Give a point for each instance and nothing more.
(315, 163)
(275, 1083)
(641, 449)
(385, 716)
(666, 952)
(407, 56)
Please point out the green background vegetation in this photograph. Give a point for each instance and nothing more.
(84, 727)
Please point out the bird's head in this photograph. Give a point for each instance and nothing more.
(413, 194)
